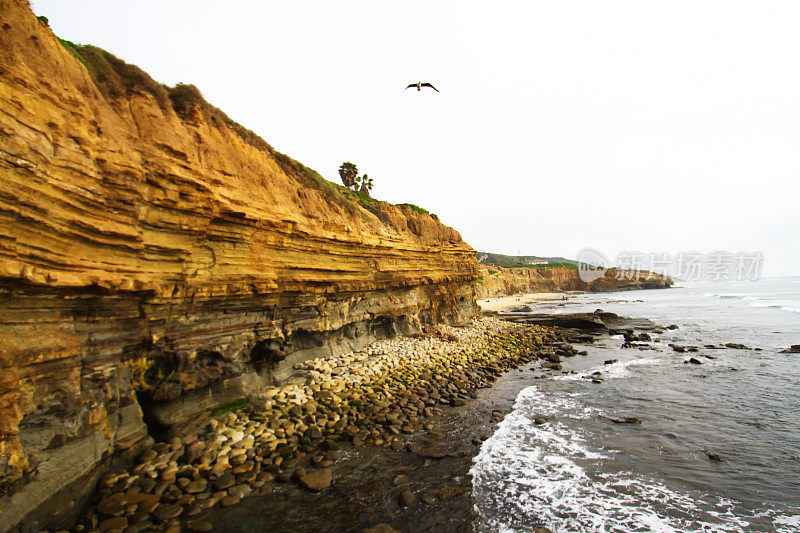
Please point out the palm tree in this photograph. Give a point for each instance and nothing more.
(349, 174)
(366, 184)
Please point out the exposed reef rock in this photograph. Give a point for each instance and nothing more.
(498, 281)
(158, 260)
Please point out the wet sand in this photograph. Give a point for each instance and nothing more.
(508, 303)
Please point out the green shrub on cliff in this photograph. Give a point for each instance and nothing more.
(416, 209)
(365, 201)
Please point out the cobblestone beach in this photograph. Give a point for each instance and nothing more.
(386, 396)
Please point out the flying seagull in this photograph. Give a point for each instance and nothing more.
(419, 85)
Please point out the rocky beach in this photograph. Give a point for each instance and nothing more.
(380, 436)
(376, 440)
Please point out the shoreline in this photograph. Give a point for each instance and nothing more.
(411, 403)
(500, 304)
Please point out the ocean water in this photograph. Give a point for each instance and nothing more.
(581, 472)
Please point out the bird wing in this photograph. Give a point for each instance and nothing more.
(410, 86)
(431, 86)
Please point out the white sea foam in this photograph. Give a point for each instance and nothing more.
(620, 369)
(528, 474)
(787, 524)
(772, 305)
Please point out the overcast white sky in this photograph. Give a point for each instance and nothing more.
(619, 125)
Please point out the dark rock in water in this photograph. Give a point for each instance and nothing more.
(714, 457)
(630, 336)
(710, 356)
(637, 345)
(610, 361)
(542, 529)
(672, 326)
(459, 402)
(407, 498)
(694, 361)
(623, 420)
(583, 352)
(579, 321)
(431, 452)
(736, 346)
(794, 349)
(317, 481)
(683, 349)
(539, 420)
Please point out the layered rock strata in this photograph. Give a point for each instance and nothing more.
(158, 260)
(498, 281)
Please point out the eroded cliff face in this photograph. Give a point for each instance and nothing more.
(157, 259)
(498, 281)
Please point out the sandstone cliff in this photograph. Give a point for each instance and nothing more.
(157, 259)
(499, 281)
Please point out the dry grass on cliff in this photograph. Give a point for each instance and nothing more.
(114, 77)
(117, 80)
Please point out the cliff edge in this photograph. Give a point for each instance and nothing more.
(159, 260)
